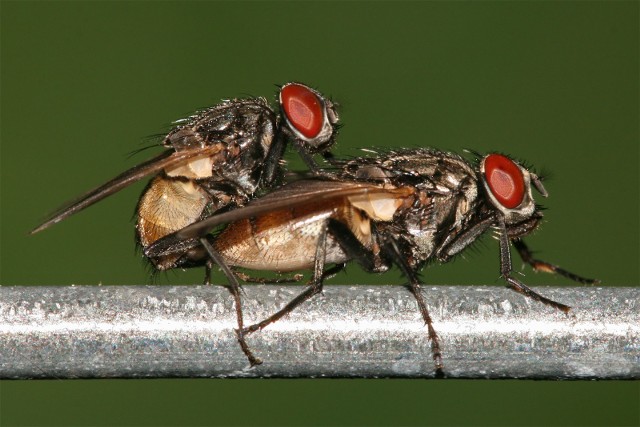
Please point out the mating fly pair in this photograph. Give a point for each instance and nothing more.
(403, 208)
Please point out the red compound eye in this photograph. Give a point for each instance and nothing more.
(505, 180)
(304, 111)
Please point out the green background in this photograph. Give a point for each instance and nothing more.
(555, 83)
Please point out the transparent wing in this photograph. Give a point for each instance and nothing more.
(167, 159)
(296, 194)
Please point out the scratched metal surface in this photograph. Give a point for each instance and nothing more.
(350, 331)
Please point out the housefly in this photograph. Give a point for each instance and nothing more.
(403, 208)
(215, 160)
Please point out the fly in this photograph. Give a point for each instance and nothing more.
(403, 208)
(215, 160)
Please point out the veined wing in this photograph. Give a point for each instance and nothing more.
(167, 159)
(296, 194)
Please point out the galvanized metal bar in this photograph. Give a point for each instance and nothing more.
(349, 331)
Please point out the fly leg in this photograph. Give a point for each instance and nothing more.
(314, 288)
(370, 262)
(234, 288)
(271, 165)
(515, 284)
(207, 272)
(306, 157)
(539, 265)
(333, 271)
(391, 247)
(311, 163)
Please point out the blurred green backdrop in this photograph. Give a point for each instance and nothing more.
(555, 83)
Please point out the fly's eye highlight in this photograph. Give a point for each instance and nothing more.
(303, 108)
(504, 179)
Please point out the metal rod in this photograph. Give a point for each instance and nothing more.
(349, 331)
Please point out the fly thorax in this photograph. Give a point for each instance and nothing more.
(243, 180)
(421, 228)
(422, 242)
(244, 173)
(183, 138)
(239, 170)
(267, 136)
(465, 204)
(370, 173)
(439, 216)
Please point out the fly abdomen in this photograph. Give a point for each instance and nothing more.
(286, 240)
(166, 206)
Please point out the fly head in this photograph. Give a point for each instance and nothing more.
(507, 186)
(310, 118)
